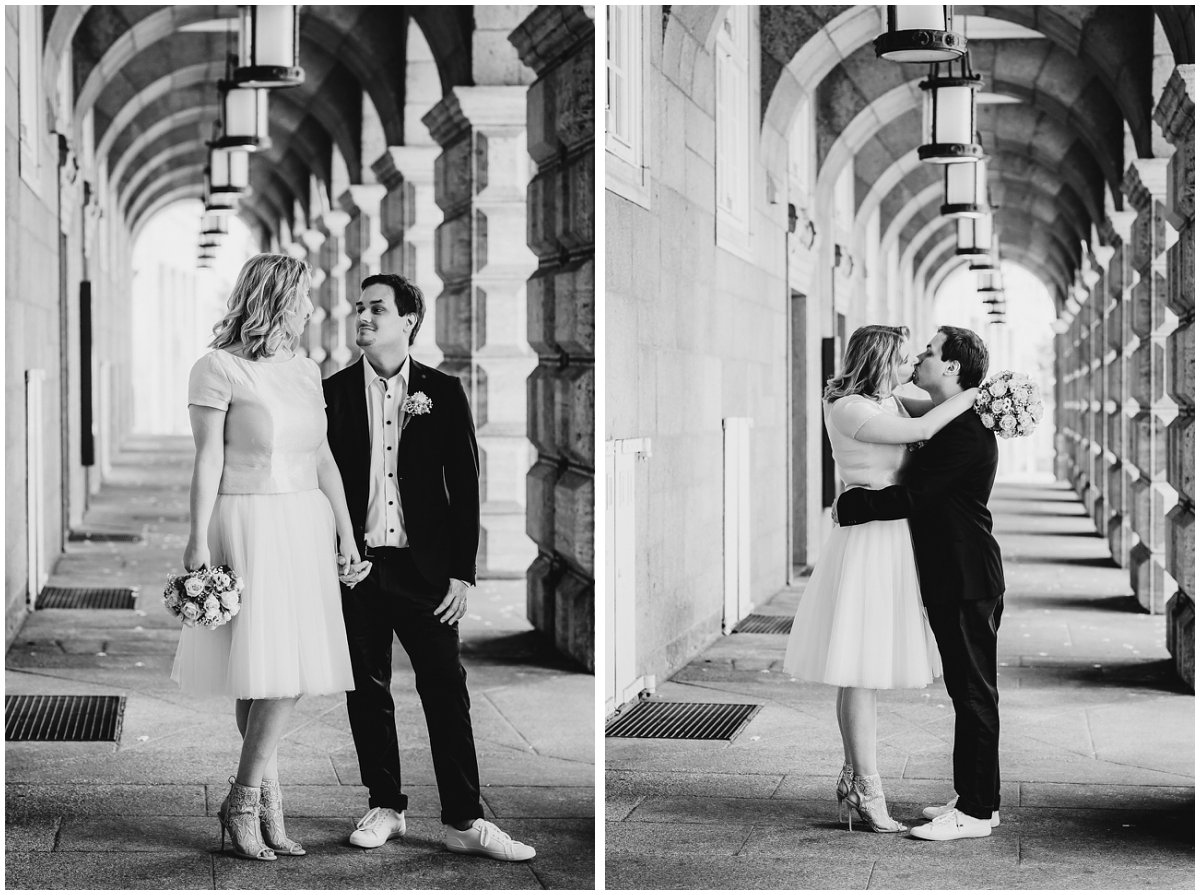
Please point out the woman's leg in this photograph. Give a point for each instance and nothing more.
(242, 713)
(843, 725)
(859, 708)
(265, 723)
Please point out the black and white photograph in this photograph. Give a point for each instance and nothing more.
(300, 447)
(899, 386)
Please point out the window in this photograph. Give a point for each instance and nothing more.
(29, 63)
(733, 124)
(624, 130)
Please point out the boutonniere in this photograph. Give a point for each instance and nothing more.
(416, 404)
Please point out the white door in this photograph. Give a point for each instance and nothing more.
(622, 682)
(35, 485)
(737, 521)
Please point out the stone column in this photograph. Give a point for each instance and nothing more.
(1152, 497)
(557, 42)
(1092, 297)
(364, 249)
(1112, 257)
(480, 179)
(1176, 113)
(335, 262)
(307, 247)
(409, 216)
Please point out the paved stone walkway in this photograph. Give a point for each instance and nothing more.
(1096, 756)
(142, 814)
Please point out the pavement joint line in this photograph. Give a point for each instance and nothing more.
(507, 721)
(871, 875)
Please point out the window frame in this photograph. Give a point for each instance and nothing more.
(734, 123)
(625, 164)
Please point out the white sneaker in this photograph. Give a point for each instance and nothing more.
(935, 811)
(953, 825)
(487, 839)
(378, 826)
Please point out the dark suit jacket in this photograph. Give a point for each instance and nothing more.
(437, 470)
(943, 492)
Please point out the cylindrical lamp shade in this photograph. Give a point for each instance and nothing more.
(214, 225)
(244, 118)
(988, 262)
(949, 129)
(966, 190)
(217, 203)
(269, 47)
(919, 34)
(230, 170)
(974, 236)
(990, 283)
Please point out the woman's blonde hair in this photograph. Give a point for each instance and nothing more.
(267, 291)
(870, 363)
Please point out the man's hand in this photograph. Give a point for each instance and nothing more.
(454, 606)
(350, 573)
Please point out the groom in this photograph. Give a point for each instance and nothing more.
(404, 441)
(943, 492)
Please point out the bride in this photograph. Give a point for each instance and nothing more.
(861, 625)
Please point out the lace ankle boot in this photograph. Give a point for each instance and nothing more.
(273, 831)
(239, 818)
(866, 797)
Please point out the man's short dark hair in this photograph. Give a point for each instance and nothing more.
(408, 296)
(965, 346)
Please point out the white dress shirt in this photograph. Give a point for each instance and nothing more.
(385, 398)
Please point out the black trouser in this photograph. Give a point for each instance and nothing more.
(394, 597)
(966, 638)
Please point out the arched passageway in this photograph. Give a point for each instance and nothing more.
(417, 142)
(765, 198)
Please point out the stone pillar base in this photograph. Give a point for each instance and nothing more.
(1181, 636)
(1120, 539)
(1149, 579)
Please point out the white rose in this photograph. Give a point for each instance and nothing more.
(229, 599)
(1024, 419)
(211, 612)
(226, 615)
(191, 611)
(234, 609)
(194, 587)
(1035, 411)
(998, 388)
(1008, 422)
(997, 407)
(988, 420)
(212, 604)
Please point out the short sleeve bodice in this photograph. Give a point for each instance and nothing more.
(274, 421)
(860, 463)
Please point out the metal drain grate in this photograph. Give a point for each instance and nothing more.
(765, 624)
(683, 721)
(87, 598)
(62, 719)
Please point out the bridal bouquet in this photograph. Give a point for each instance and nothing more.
(1009, 404)
(208, 597)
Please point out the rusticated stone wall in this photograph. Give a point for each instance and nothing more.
(1176, 113)
(557, 43)
(480, 181)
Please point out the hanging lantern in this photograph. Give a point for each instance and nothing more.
(966, 191)
(243, 118)
(991, 284)
(950, 114)
(213, 229)
(991, 261)
(230, 170)
(206, 253)
(269, 47)
(974, 236)
(217, 202)
(920, 34)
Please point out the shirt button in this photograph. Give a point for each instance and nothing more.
(389, 422)
(389, 447)
(391, 503)
(391, 476)
(391, 531)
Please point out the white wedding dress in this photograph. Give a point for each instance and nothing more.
(861, 622)
(273, 525)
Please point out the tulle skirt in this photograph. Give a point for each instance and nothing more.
(289, 638)
(861, 622)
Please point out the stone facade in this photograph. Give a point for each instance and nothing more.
(1176, 113)
(558, 44)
